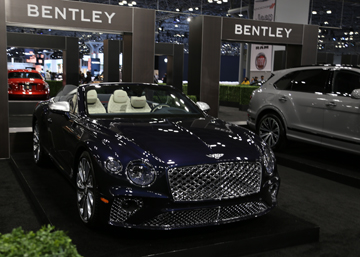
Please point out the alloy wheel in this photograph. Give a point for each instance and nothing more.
(85, 190)
(269, 131)
(36, 144)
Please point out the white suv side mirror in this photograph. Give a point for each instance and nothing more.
(355, 94)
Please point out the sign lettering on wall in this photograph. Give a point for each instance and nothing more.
(69, 15)
(254, 31)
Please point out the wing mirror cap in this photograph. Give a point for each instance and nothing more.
(355, 94)
(61, 107)
(203, 106)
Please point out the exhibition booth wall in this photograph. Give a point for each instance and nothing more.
(138, 26)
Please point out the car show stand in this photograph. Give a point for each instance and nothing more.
(54, 201)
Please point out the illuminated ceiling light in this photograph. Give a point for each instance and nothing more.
(189, 19)
(121, 3)
(133, 3)
(225, 1)
(176, 25)
(219, 2)
(326, 23)
(328, 11)
(124, 2)
(177, 9)
(130, 5)
(314, 12)
(191, 9)
(241, 15)
(210, 1)
(196, 8)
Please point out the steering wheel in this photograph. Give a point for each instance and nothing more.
(159, 107)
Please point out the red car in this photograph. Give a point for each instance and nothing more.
(27, 84)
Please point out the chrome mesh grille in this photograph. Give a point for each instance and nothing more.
(214, 181)
(118, 213)
(200, 217)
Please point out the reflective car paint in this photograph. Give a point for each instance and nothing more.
(168, 144)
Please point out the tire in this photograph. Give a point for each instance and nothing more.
(271, 130)
(40, 157)
(86, 191)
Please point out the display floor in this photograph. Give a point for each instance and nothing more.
(54, 199)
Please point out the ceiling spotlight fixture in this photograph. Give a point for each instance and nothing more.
(328, 11)
(219, 2)
(133, 3)
(191, 9)
(196, 8)
(225, 1)
(210, 1)
(189, 19)
(314, 12)
(177, 9)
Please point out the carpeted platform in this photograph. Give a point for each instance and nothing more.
(56, 197)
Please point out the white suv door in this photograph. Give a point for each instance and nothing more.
(303, 102)
(342, 113)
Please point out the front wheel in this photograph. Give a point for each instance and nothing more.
(271, 130)
(86, 191)
(40, 157)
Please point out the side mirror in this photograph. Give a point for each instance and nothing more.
(355, 94)
(61, 106)
(203, 106)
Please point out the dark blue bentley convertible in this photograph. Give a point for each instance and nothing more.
(146, 156)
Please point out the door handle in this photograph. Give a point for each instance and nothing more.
(282, 99)
(331, 104)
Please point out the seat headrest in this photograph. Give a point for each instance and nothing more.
(91, 96)
(120, 96)
(138, 101)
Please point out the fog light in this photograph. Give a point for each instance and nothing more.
(273, 189)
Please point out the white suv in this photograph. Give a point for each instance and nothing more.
(315, 104)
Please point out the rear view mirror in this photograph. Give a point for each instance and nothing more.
(355, 94)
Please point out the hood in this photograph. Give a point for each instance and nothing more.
(190, 141)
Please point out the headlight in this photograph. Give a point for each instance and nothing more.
(268, 158)
(140, 173)
(113, 166)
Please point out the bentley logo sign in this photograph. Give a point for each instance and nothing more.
(215, 155)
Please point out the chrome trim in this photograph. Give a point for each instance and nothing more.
(217, 181)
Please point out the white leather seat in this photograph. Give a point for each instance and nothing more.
(118, 102)
(138, 104)
(93, 103)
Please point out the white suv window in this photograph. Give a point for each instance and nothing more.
(308, 81)
(345, 82)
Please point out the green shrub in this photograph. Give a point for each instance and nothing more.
(193, 97)
(55, 87)
(44, 242)
(246, 92)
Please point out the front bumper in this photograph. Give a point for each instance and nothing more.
(165, 214)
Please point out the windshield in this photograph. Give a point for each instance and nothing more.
(124, 100)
